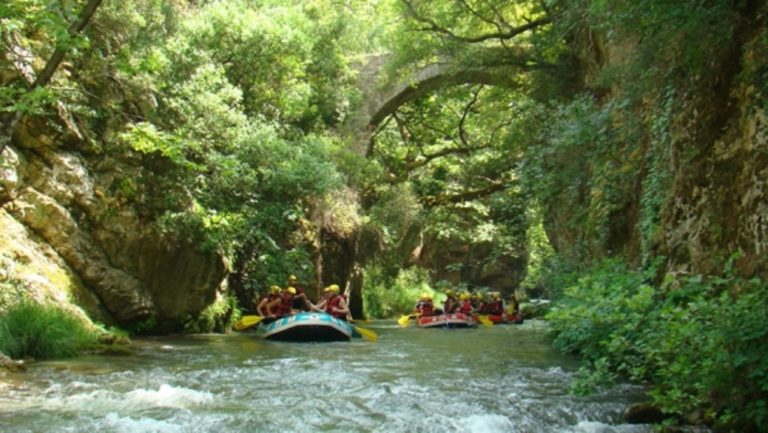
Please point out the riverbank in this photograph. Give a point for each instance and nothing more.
(698, 341)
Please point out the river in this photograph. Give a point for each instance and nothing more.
(501, 379)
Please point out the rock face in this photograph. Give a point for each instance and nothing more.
(474, 264)
(722, 193)
(57, 213)
(708, 171)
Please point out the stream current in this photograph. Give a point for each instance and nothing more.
(501, 379)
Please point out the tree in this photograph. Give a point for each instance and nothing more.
(44, 77)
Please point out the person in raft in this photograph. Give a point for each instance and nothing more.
(300, 301)
(466, 304)
(286, 299)
(478, 303)
(424, 307)
(451, 304)
(496, 305)
(333, 303)
(267, 304)
(281, 305)
(513, 308)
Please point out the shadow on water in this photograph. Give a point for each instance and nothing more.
(500, 379)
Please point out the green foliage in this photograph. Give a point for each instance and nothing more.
(286, 59)
(541, 257)
(217, 317)
(698, 341)
(234, 142)
(385, 296)
(657, 182)
(42, 331)
(462, 30)
(679, 39)
(450, 158)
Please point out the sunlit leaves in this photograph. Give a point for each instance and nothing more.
(465, 31)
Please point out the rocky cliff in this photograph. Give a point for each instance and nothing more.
(68, 237)
(677, 172)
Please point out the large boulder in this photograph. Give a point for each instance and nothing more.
(474, 263)
(121, 293)
(122, 262)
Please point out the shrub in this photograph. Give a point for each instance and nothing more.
(42, 331)
(698, 341)
(383, 298)
(219, 316)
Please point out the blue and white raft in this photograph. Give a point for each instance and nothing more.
(307, 327)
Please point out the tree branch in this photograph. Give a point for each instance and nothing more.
(466, 195)
(78, 26)
(463, 135)
(433, 26)
(10, 121)
(402, 128)
(480, 16)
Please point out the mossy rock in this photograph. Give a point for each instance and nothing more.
(536, 308)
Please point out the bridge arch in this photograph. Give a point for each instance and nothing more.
(381, 100)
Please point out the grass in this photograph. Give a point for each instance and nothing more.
(43, 331)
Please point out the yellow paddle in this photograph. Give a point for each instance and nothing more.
(406, 320)
(366, 333)
(247, 321)
(485, 321)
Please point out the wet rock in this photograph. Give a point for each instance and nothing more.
(11, 365)
(535, 308)
(11, 165)
(644, 413)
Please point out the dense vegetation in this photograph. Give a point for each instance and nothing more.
(234, 117)
(698, 341)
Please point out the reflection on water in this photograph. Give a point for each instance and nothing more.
(500, 379)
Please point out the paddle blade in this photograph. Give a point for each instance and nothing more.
(367, 334)
(485, 321)
(246, 322)
(403, 320)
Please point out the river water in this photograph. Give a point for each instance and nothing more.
(501, 379)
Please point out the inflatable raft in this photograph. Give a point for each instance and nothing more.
(454, 320)
(307, 327)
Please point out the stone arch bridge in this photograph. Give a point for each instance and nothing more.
(382, 97)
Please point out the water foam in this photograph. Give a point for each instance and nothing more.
(124, 424)
(485, 423)
(103, 401)
(171, 396)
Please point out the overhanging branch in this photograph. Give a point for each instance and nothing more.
(432, 26)
(465, 196)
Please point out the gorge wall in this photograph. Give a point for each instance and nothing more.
(688, 159)
(68, 236)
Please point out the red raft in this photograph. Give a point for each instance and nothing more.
(498, 319)
(454, 320)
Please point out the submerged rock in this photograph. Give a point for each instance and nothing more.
(644, 413)
(12, 365)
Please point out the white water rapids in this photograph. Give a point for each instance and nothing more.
(501, 379)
